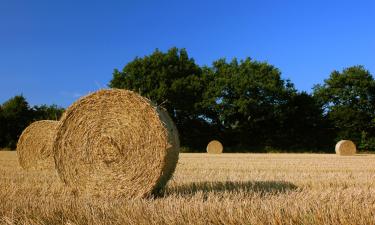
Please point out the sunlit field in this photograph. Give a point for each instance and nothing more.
(209, 189)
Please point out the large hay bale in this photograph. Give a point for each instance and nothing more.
(345, 147)
(115, 143)
(34, 147)
(214, 147)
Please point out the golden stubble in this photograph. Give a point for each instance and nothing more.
(208, 189)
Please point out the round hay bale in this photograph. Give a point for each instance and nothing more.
(34, 147)
(115, 143)
(215, 147)
(345, 147)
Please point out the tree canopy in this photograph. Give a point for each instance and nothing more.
(348, 100)
(246, 104)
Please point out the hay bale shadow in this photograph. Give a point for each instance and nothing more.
(262, 187)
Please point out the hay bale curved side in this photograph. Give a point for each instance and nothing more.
(114, 143)
(214, 147)
(173, 151)
(345, 147)
(35, 145)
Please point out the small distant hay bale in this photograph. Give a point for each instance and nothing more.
(345, 147)
(116, 144)
(34, 147)
(215, 147)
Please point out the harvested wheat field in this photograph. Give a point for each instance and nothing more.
(208, 189)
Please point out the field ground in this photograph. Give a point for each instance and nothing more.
(209, 189)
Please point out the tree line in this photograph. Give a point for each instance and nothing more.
(246, 104)
(16, 115)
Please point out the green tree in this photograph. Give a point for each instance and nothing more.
(3, 125)
(303, 125)
(247, 97)
(17, 115)
(348, 100)
(171, 80)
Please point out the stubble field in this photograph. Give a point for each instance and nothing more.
(208, 189)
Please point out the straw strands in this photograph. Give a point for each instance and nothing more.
(115, 143)
(34, 147)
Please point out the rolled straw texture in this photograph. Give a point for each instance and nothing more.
(345, 147)
(115, 143)
(214, 147)
(34, 147)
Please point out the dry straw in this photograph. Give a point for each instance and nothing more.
(115, 143)
(215, 147)
(345, 147)
(34, 147)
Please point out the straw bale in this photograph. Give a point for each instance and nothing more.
(214, 147)
(345, 147)
(115, 143)
(34, 147)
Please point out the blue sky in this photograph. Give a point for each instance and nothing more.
(53, 52)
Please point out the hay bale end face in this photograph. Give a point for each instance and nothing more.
(34, 147)
(214, 147)
(345, 147)
(115, 143)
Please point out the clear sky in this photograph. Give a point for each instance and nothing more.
(55, 51)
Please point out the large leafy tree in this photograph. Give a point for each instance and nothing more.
(303, 125)
(170, 79)
(247, 96)
(251, 105)
(348, 100)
